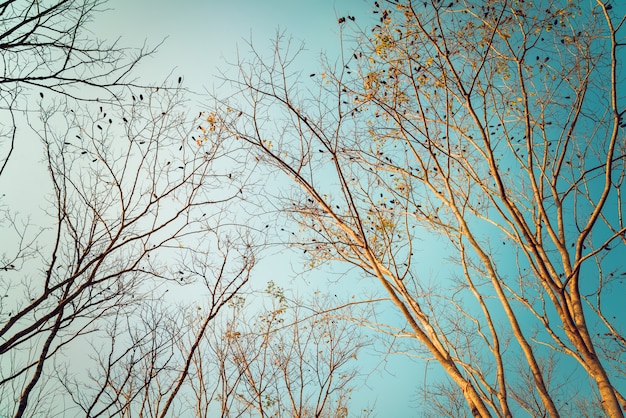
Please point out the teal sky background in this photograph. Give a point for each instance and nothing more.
(200, 39)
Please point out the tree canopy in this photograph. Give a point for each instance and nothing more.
(461, 160)
(498, 126)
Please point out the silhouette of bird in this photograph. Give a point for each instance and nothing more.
(341, 20)
(180, 79)
(41, 94)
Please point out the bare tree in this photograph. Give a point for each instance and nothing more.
(136, 208)
(497, 125)
(293, 359)
(135, 198)
(46, 48)
(146, 363)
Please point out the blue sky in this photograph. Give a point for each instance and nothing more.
(202, 36)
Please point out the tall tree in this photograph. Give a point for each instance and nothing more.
(134, 208)
(128, 210)
(497, 125)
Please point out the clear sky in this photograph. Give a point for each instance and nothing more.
(202, 36)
